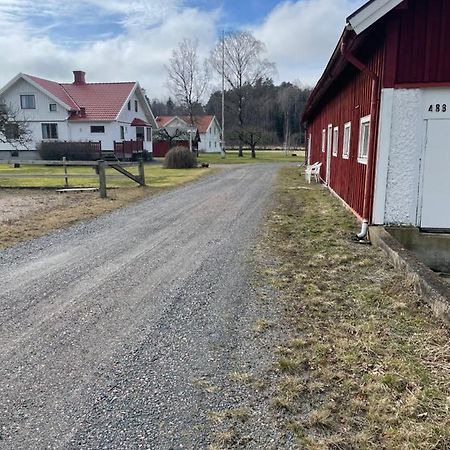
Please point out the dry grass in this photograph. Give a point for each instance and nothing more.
(366, 365)
(82, 206)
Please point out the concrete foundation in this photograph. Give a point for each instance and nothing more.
(433, 249)
(433, 289)
(19, 155)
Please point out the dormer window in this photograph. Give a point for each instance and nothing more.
(52, 107)
(27, 101)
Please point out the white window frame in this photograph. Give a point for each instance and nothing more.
(329, 138)
(22, 96)
(346, 140)
(49, 125)
(50, 105)
(97, 126)
(122, 132)
(335, 141)
(324, 139)
(364, 122)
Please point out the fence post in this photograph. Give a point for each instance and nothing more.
(102, 178)
(65, 172)
(142, 172)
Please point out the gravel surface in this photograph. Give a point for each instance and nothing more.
(122, 332)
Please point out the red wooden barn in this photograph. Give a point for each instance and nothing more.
(379, 118)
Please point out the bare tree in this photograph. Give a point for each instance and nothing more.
(13, 129)
(187, 78)
(244, 65)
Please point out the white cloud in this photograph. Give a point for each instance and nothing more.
(301, 35)
(138, 53)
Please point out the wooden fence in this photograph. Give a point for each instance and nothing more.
(128, 149)
(99, 166)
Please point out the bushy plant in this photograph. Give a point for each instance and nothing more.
(180, 158)
(73, 151)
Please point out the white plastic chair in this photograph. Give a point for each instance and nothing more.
(313, 171)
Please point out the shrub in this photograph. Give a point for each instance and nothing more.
(73, 151)
(180, 158)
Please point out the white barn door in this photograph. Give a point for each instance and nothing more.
(329, 144)
(436, 177)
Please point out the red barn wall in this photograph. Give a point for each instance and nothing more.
(421, 41)
(348, 101)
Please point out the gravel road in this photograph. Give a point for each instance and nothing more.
(121, 332)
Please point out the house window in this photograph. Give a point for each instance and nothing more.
(11, 131)
(122, 132)
(136, 105)
(27, 102)
(335, 140)
(129, 105)
(97, 128)
(346, 141)
(49, 131)
(140, 133)
(323, 140)
(149, 134)
(364, 134)
(209, 144)
(215, 144)
(52, 107)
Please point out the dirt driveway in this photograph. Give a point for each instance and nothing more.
(130, 330)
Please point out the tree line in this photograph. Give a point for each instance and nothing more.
(256, 111)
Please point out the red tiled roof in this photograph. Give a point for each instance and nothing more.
(56, 89)
(162, 121)
(139, 123)
(102, 101)
(201, 122)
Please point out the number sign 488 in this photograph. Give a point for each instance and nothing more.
(438, 108)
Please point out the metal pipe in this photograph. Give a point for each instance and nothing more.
(374, 109)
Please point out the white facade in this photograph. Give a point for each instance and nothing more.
(210, 141)
(75, 130)
(412, 185)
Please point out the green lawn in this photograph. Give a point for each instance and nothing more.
(156, 176)
(262, 156)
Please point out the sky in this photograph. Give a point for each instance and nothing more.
(132, 40)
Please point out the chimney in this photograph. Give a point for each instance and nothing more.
(79, 77)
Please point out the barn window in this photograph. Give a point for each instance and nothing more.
(324, 132)
(364, 133)
(329, 138)
(346, 141)
(335, 140)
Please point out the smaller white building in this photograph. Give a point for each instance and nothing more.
(208, 128)
(78, 111)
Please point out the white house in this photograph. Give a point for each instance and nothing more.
(207, 126)
(79, 111)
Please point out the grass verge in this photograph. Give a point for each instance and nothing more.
(364, 364)
(80, 206)
(156, 176)
(261, 157)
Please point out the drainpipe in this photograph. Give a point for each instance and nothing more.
(374, 108)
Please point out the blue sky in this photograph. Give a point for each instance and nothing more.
(119, 40)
